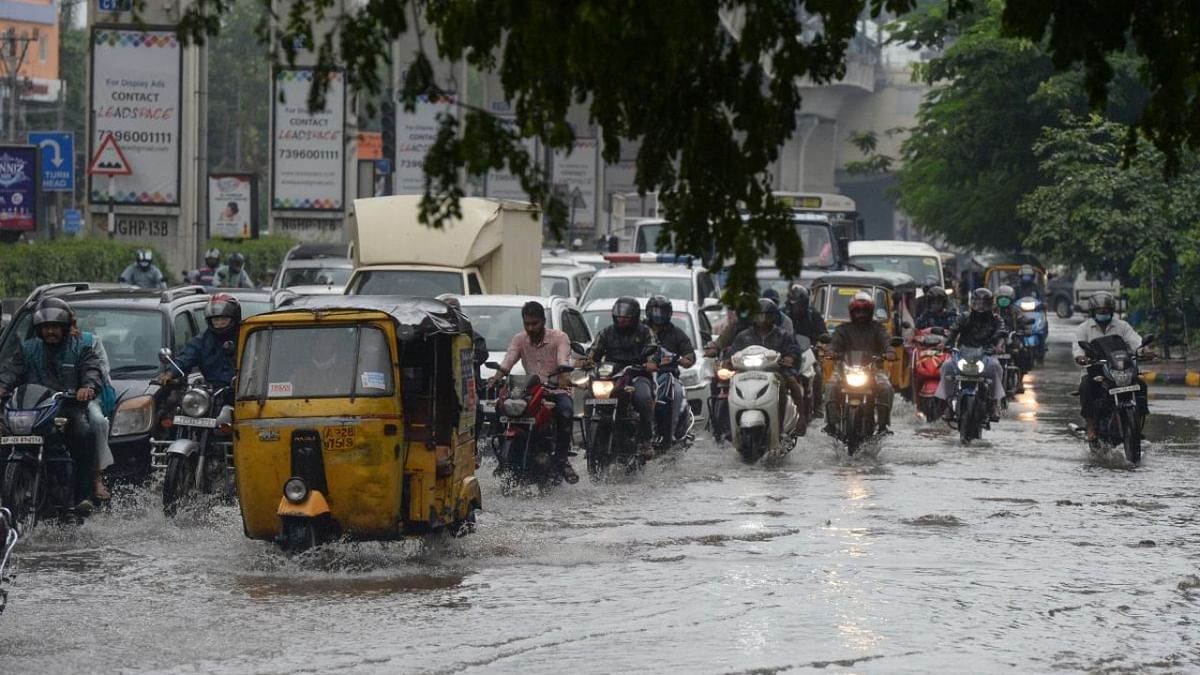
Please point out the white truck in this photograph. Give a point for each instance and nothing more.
(496, 247)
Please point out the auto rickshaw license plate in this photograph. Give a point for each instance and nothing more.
(21, 440)
(338, 438)
(206, 422)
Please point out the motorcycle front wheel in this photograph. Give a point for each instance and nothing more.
(178, 483)
(1131, 437)
(753, 444)
(21, 494)
(599, 449)
(854, 429)
(968, 418)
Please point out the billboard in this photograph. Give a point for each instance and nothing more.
(577, 170)
(19, 176)
(308, 163)
(232, 205)
(136, 99)
(415, 134)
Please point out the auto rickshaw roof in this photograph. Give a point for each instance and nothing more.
(424, 316)
(990, 260)
(889, 280)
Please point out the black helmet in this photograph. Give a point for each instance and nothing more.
(625, 313)
(772, 295)
(768, 313)
(981, 300)
(223, 304)
(936, 294)
(1101, 304)
(53, 310)
(1005, 296)
(236, 261)
(144, 257)
(659, 310)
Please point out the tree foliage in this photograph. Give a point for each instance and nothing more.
(709, 88)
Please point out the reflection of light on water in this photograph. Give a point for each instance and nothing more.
(1029, 400)
(850, 596)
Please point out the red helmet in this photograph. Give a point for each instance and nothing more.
(223, 304)
(862, 306)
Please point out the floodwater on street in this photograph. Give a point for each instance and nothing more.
(1017, 553)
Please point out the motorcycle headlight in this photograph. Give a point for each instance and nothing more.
(1028, 305)
(756, 360)
(195, 403)
(133, 416)
(295, 490)
(970, 367)
(605, 369)
(724, 374)
(21, 423)
(514, 407)
(1122, 378)
(962, 364)
(856, 378)
(602, 388)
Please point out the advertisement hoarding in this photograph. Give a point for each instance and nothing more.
(415, 134)
(577, 170)
(19, 176)
(309, 155)
(232, 205)
(136, 99)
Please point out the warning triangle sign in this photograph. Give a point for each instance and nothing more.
(109, 160)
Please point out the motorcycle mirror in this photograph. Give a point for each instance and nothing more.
(896, 341)
(1149, 340)
(493, 365)
(578, 348)
(165, 354)
(824, 338)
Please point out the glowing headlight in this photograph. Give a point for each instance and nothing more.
(724, 374)
(195, 403)
(856, 378)
(514, 407)
(1028, 305)
(134, 416)
(295, 490)
(602, 388)
(962, 364)
(755, 361)
(970, 367)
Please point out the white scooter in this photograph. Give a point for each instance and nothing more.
(754, 397)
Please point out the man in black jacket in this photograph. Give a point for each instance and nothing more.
(865, 338)
(766, 333)
(673, 339)
(980, 328)
(625, 343)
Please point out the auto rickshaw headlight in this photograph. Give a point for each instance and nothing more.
(514, 407)
(195, 403)
(602, 388)
(295, 490)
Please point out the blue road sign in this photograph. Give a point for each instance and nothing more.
(383, 166)
(58, 159)
(72, 221)
(114, 5)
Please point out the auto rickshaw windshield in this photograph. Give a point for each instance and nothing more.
(839, 302)
(315, 362)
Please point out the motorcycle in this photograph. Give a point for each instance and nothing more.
(763, 418)
(857, 404)
(8, 541)
(1009, 356)
(1034, 309)
(488, 428)
(718, 402)
(972, 394)
(39, 472)
(673, 418)
(199, 456)
(929, 353)
(525, 450)
(610, 418)
(1119, 417)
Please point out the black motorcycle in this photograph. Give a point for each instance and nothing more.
(1010, 356)
(39, 472)
(972, 393)
(8, 541)
(718, 401)
(1119, 412)
(610, 419)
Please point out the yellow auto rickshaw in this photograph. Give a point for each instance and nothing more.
(1006, 270)
(355, 417)
(893, 292)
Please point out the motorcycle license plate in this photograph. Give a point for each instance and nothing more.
(206, 422)
(1004, 357)
(1123, 390)
(21, 440)
(602, 401)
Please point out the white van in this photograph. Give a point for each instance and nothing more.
(916, 259)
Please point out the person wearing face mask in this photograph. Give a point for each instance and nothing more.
(1103, 321)
(208, 351)
(143, 273)
(938, 312)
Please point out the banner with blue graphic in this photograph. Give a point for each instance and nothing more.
(18, 187)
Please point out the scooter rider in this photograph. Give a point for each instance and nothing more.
(766, 333)
(208, 351)
(143, 273)
(1027, 284)
(542, 351)
(59, 361)
(673, 339)
(784, 321)
(233, 274)
(737, 320)
(938, 312)
(867, 336)
(206, 276)
(625, 343)
(978, 328)
(808, 322)
(1102, 307)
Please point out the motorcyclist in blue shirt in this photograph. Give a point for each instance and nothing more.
(212, 351)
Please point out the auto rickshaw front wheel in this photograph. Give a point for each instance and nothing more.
(297, 535)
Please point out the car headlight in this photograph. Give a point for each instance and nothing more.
(724, 374)
(295, 491)
(856, 378)
(195, 403)
(514, 407)
(602, 388)
(1028, 305)
(133, 416)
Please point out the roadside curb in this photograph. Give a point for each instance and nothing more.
(1189, 379)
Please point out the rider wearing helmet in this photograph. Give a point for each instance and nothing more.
(865, 336)
(737, 319)
(212, 351)
(207, 275)
(233, 274)
(806, 320)
(626, 343)
(1006, 307)
(1028, 285)
(981, 328)
(938, 312)
(766, 332)
(674, 340)
(143, 273)
(60, 361)
(1102, 307)
(784, 321)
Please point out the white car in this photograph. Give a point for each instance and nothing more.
(688, 317)
(566, 281)
(917, 259)
(642, 280)
(314, 269)
(497, 318)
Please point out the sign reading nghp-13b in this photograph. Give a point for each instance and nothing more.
(136, 100)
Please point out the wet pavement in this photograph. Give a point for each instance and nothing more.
(1018, 553)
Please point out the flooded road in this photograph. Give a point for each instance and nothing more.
(1016, 553)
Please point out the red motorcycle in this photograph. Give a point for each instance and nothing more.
(526, 450)
(928, 354)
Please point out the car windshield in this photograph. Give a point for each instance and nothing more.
(131, 338)
(647, 239)
(818, 245)
(919, 267)
(559, 286)
(599, 319)
(675, 288)
(316, 276)
(418, 283)
(496, 325)
(315, 362)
